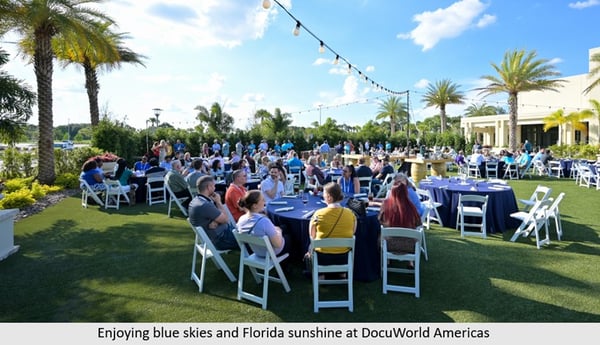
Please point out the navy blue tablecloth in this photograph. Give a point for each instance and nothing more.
(501, 201)
(367, 264)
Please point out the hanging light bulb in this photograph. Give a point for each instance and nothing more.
(266, 4)
(296, 31)
(337, 59)
(321, 48)
(349, 68)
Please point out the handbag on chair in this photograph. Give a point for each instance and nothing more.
(357, 206)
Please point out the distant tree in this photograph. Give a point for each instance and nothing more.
(393, 109)
(218, 122)
(16, 102)
(559, 119)
(520, 71)
(480, 110)
(596, 109)
(440, 94)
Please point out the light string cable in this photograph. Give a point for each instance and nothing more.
(338, 57)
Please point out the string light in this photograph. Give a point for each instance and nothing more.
(296, 30)
(322, 46)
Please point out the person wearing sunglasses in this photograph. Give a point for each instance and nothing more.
(349, 181)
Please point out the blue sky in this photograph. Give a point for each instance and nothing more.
(246, 58)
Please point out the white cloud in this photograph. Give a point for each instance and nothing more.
(421, 84)
(447, 22)
(370, 69)
(583, 4)
(555, 61)
(321, 61)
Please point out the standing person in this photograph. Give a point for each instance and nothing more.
(207, 211)
(256, 223)
(333, 221)
(251, 148)
(272, 187)
(349, 181)
(239, 148)
(162, 150)
(205, 150)
(235, 191)
(398, 211)
(216, 147)
(179, 146)
(225, 148)
(324, 150)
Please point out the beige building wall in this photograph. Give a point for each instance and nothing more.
(534, 106)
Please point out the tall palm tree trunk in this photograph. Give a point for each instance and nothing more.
(512, 122)
(92, 87)
(43, 73)
(442, 118)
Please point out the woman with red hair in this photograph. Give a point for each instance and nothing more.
(398, 211)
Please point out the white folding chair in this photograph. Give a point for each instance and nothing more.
(587, 177)
(511, 171)
(431, 207)
(526, 170)
(388, 233)
(491, 169)
(386, 185)
(365, 180)
(113, 194)
(472, 206)
(533, 221)
(555, 169)
(88, 192)
(176, 200)
(540, 193)
(155, 190)
(540, 168)
(256, 263)
(554, 213)
(474, 170)
(307, 181)
(295, 172)
(318, 270)
(204, 246)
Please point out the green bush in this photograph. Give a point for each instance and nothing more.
(67, 180)
(71, 161)
(16, 184)
(19, 199)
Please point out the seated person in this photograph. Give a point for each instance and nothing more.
(272, 187)
(460, 159)
(386, 169)
(194, 173)
(398, 211)
(167, 164)
(349, 181)
(123, 175)
(93, 176)
(256, 223)
(401, 178)
(236, 191)
(207, 211)
(313, 171)
(142, 165)
(523, 159)
(333, 221)
(178, 184)
(154, 168)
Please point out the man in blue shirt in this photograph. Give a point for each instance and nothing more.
(179, 146)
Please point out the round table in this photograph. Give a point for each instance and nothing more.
(367, 259)
(501, 201)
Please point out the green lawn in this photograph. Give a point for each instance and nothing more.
(133, 265)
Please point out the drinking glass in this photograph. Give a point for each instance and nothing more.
(304, 198)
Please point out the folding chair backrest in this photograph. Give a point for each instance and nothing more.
(346, 269)
(205, 247)
(365, 182)
(87, 191)
(176, 200)
(155, 189)
(255, 263)
(388, 233)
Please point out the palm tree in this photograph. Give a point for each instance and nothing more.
(279, 123)
(596, 108)
(559, 119)
(439, 95)
(480, 110)
(79, 51)
(45, 19)
(16, 102)
(395, 110)
(520, 71)
(595, 71)
(218, 122)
